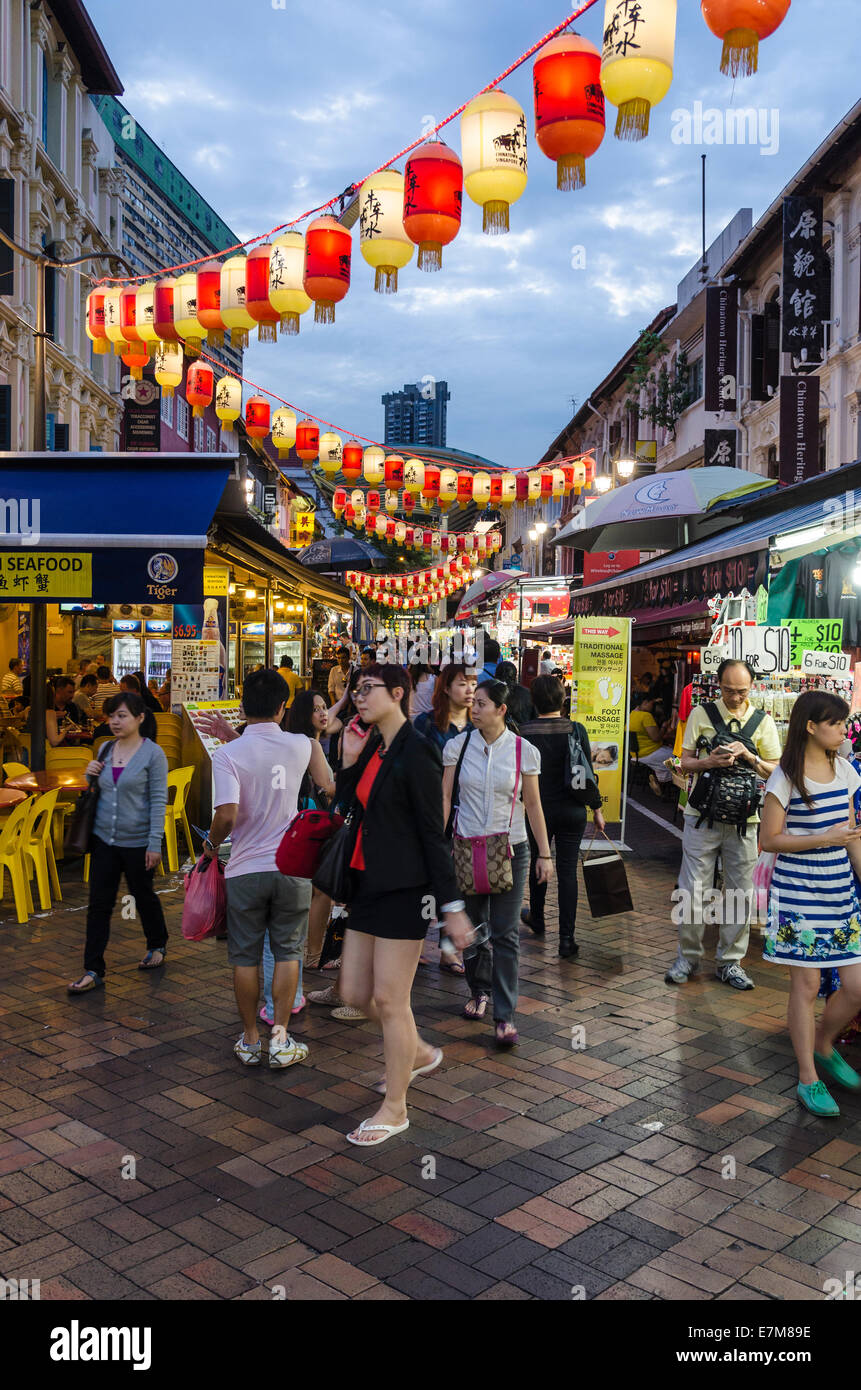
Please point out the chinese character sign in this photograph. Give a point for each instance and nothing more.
(721, 448)
(806, 278)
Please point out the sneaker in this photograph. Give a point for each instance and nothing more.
(681, 970)
(735, 976)
(839, 1070)
(249, 1054)
(817, 1099)
(287, 1053)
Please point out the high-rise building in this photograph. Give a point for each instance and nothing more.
(165, 222)
(417, 414)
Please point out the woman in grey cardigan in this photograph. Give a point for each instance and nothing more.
(127, 834)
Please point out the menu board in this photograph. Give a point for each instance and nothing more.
(231, 710)
(194, 672)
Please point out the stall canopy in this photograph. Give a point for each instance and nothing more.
(107, 528)
(489, 586)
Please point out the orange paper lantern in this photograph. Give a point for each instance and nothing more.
(433, 200)
(209, 302)
(351, 460)
(741, 24)
(307, 440)
(257, 294)
(328, 253)
(569, 106)
(200, 387)
(258, 417)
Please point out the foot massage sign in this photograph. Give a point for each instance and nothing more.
(602, 669)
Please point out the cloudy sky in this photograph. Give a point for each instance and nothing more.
(273, 106)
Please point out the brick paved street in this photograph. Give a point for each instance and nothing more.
(601, 1168)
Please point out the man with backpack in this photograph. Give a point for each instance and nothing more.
(730, 748)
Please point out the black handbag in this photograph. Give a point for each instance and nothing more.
(79, 833)
(606, 881)
(581, 783)
(334, 877)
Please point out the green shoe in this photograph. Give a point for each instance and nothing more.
(817, 1100)
(839, 1070)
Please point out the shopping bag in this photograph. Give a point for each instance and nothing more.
(762, 883)
(606, 882)
(204, 911)
(304, 840)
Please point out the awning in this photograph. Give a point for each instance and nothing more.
(248, 543)
(107, 528)
(363, 623)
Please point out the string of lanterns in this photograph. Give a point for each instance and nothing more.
(275, 283)
(419, 589)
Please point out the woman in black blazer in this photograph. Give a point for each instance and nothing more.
(391, 778)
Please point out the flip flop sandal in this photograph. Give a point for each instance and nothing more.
(97, 983)
(297, 1008)
(146, 963)
(453, 967)
(386, 1132)
(479, 1009)
(426, 1070)
(504, 1038)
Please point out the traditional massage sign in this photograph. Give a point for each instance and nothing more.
(601, 675)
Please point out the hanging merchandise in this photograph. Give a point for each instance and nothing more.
(330, 452)
(163, 310)
(374, 464)
(382, 239)
(112, 322)
(233, 311)
(185, 319)
(283, 430)
(328, 253)
(637, 60)
(257, 300)
(257, 417)
(200, 387)
(742, 24)
(351, 461)
(569, 106)
(145, 315)
(228, 401)
(307, 440)
(95, 323)
(209, 302)
(286, 274)
(493, 146)
(433, 200)
(168, 367)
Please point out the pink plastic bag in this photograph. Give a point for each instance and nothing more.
(204, 911)
(762, 882)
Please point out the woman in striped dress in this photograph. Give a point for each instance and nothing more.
(814, 916)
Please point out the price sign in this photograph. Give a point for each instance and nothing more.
(711, 658)
(825, 663)
(813, 635)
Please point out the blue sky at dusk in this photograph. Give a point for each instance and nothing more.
(271, 111)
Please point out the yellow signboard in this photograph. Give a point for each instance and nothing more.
(216, 581)
(48, 574)
(601, 673)
(302, 528)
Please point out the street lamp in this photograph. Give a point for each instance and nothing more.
(603, 482)
(625, 467)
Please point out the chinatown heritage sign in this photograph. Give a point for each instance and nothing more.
(721, 348)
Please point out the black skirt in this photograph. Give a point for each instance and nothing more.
(402, 915)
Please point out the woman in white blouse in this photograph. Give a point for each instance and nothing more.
(490, 801)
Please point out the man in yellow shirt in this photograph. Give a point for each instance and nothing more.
(295, 682)
(651, 751)
(700, 847)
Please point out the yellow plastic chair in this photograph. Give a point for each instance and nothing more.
(66, 759)
(15, 770)
(179, 782)
(12, 859)
(37, 846)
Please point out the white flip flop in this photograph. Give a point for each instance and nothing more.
(388, 1132)
(426, 1070)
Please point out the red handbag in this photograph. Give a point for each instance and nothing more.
(304, 840)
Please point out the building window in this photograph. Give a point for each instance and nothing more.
(199, 434)
(211, 442)
(5, 417)
(167, 409)
(44, 101)
(695, 380)
(182, 417)
(7, 225)
(771, 464)
(823, 445)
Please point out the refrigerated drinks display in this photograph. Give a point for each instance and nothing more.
(157, 659)
(126, 656)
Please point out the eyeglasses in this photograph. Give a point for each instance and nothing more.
(363, 691)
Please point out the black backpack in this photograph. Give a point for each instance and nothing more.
(728, 795)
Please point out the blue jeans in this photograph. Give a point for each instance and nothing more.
(268, 972)
(494, 967)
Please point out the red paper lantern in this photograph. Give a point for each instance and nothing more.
(349, 514)
(128, 316)
(339, 501)
(589, 465)
(307, 440)
(522, 486)
(741, 24)
(390, 530)
(570, 476)
(464, 489)
(409, 503)
(257, 294)
(370, 523)
(162, 310)
(257, 417)
(328, 252)
(373, 501)
(352, 457)
(96, 322)
(569, 105)
(453, 565)
(209, 302)
(496, 490)
(394, 471)
(433, 200)
(427, 538)
(461, 543)
(410, 536)
(430, 487)
(546, 485)
(200, 388)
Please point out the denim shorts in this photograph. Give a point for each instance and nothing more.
(257, 903)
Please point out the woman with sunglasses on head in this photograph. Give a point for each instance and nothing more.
(491, 775)
(403, 876)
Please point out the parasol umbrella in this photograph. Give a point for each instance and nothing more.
(661, 512)
(336, 553)
(492, 584)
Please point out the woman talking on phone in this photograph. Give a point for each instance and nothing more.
(403, 876)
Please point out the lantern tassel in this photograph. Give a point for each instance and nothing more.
(290, 324)
(120, 348)
(632, 121)
(495, 221)
(197, 410)
(192, 347)
(239, 338)
(740, 52)
(137, 373)
(100, 346)
(167, 390)
(571, 172)
(215, 338)
(324, 311)
(430, 255)
(267, 333)
(386, 279)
